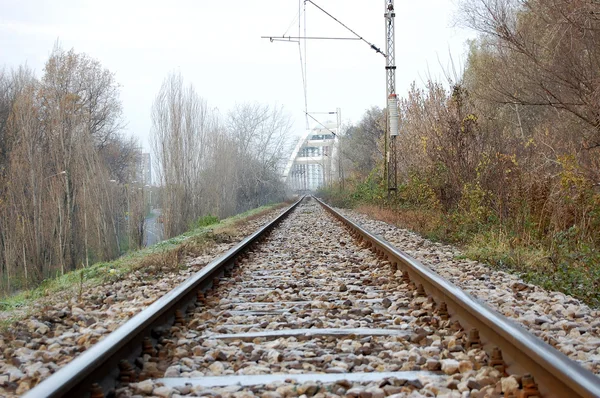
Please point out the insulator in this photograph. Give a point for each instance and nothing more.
(394, 116)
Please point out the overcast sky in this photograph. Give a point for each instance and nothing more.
(216, 45)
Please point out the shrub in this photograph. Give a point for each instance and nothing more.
(205, 221)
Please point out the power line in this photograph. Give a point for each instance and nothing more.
(373, 46)
(303, 67)
(290, 38)
(304, 57)
(297, 17)
(325, 127)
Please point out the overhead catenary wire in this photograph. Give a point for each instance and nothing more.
(303, 65)
(303, 55)
(305, 38)
(373, 46)
(294, 39)
(325, 127)
(304, 86)
(296, 18)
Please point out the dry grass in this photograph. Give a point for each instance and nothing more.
(259, 214)
(574, 272)
(505, 252)
(159, 262)
(172, 258)
(421, 221)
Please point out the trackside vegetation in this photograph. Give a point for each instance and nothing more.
(502, 159)
(161, 257)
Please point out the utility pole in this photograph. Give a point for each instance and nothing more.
(391, 97)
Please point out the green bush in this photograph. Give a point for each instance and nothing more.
(205, 221)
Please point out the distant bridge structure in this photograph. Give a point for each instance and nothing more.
(314, 163)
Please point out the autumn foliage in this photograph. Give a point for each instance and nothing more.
(505, 158)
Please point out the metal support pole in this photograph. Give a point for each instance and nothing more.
(391, 99)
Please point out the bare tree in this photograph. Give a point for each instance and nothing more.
(180, 124)
(260, 133)
(542, 54)
(363, 143)
(60, 147)
(207, 167)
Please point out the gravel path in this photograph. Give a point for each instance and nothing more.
(560, 320)
(309, 301)
(35, 348)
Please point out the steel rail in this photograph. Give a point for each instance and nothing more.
(99, 364)
(556, 374)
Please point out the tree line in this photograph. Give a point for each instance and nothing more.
(506, 154)
(62, 161)
(71, 189)
(208, 163)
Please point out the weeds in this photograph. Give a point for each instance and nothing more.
(206, 221)
(567, 260)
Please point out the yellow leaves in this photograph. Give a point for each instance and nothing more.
(473, 202)
(498, 162)
(424, 141)
(505, 158)
(483, 164)
(568, 162)
(529, 143)
(419, 192)
(571, 177)
(470, 118)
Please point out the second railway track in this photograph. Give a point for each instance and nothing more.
(312, 310)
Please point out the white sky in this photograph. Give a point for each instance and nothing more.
(217, 46)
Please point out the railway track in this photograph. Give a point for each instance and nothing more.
(312, 305)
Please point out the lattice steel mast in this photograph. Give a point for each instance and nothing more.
(391, 97)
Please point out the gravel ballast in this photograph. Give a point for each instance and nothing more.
(309, 301)
(64, 325)
(558, 319)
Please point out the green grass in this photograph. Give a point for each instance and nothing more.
(106, 271)
(206, 221)
(571, 270)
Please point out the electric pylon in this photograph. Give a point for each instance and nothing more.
(391, 97)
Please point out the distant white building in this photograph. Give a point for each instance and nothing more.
(313, 163)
